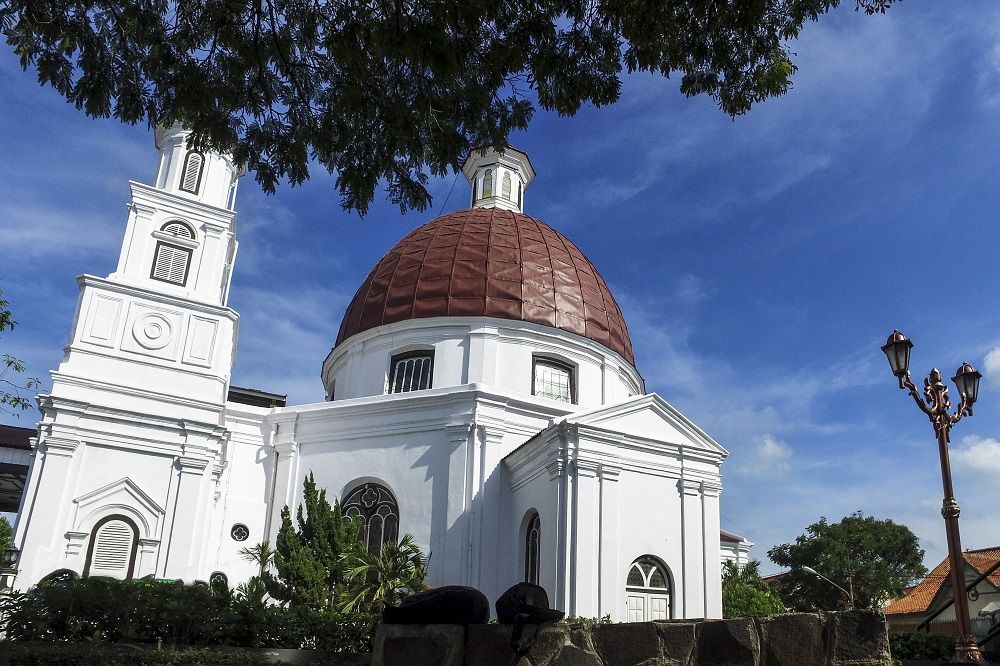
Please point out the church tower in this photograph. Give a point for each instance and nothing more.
(132, 443)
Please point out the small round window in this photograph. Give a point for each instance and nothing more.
(240, 532)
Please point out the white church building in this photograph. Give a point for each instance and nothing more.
(482, 395)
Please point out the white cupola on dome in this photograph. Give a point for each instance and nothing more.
(498, 179)
(207, 176)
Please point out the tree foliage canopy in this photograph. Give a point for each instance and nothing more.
(309, 562)
(391, 91)
(876, 559)
(744, 594)
(14, 392)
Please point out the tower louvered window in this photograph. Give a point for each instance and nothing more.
(171, 263)
(506, 186)
(178, 229)
(411, 372)
(488, 183)
(191, 177)
(112, 549)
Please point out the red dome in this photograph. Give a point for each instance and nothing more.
(492, 262)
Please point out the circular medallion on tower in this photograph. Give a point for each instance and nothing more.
(489, 262)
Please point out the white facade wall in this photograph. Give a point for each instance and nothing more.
(479, 350)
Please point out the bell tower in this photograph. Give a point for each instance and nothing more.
(498, 179)
(132, 443)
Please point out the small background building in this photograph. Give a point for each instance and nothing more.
(909, 611)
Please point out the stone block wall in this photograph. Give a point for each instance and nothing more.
(851, 638)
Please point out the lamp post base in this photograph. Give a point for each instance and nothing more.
(967, 651)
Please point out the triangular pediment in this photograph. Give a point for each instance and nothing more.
(122, 491)
(648, 417)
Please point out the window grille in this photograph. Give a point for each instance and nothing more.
(532, 548)
(191, 178)
(488, 183)
(170, 264)
(411, 372)
(376, 508)
(647, 573)
(552, 380)
(506, 186)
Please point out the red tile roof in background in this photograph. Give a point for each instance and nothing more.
(14, 437)
(492, 262)
(920, 597)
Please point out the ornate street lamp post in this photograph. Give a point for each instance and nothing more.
(8, 567)
(935, 404)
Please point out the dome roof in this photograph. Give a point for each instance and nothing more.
(492, 262)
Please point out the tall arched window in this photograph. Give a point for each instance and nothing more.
(647, 591)
(191, 176)
(506, 185)
(113, 545)
(488, 183)
(375, 505)
(532, 548)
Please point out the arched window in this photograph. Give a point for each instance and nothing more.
(532, 548)
(191, 176)
(375, 505)
(488, 183)
(178, 229)
(413, 371)
(113, 545)
(506, 185)
(647, 591)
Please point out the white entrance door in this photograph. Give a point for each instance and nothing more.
(635, 602)
(646, 606)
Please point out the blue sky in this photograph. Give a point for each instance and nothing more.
(760, 262)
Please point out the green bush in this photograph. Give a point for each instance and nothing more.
(921, 646)
(97, 654)
(106, 610)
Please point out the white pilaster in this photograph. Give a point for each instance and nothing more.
(693, 537)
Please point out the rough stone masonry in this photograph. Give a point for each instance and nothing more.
(850, 638)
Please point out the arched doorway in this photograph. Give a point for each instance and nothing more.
(647, 591)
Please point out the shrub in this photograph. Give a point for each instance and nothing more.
(921, 646)
(106, 610)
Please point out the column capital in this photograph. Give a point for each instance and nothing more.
(287, 447)
(609, 472)
(60, 446)
(711, 488)
(689, 486)
(190, 465)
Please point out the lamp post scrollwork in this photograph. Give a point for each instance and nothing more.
(936, 404)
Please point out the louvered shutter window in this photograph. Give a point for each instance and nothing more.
(112, 552)
(171, 263)
(488, 183)
(506, 186)
(192, 172)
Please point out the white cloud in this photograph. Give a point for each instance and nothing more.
(977, 456)
(768, 456)
(991, 364)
